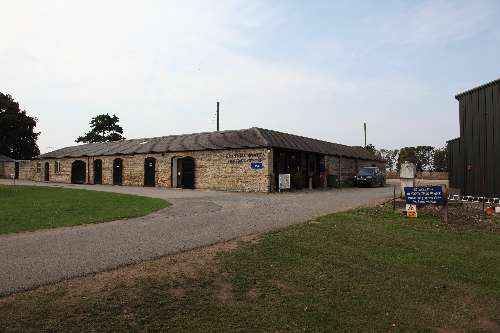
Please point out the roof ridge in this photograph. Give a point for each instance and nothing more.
(253, 137)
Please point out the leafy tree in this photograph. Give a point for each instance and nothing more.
(104, 128)
(17, 138)
(440, 159)
(391, 158)
(423, 155)
(371, 148)
(406, 154)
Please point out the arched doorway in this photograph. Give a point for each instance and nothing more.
(78, 172)
(117, 171)
(46, 172)
(185, 172)
(98, 172)
(149, 171)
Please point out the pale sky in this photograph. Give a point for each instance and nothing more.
(313, 68)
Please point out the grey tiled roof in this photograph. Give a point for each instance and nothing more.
(4, 158)
(235, 139)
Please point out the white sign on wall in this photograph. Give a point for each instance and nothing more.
(284, 181)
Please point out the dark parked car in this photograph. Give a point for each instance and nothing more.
(369, 176)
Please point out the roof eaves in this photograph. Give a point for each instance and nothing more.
(477, 88)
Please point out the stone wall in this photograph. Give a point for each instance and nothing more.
(26, 169)
(228, 170)
(7, 169)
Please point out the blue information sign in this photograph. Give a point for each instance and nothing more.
(256, 165)
(424, 195)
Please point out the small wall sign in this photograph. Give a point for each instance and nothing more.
(284, 181)
(256, 165)
(238, 157)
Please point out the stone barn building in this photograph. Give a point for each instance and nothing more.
(248, 160)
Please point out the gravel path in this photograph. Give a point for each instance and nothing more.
(197, 218)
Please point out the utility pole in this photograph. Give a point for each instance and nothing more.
(218, 116)
(364, 125)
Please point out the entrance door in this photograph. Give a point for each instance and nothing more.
(185, 172)
(16, 170)
(117, 171)
(47, 172)
(78, 172)
(98, 172)
(149, 171)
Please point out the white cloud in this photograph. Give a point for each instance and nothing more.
(161, 66)
(437, 21)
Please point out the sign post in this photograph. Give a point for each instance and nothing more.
(426, 195)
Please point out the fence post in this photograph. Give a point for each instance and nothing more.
(394, 200)
(444, 209)
(483, 213)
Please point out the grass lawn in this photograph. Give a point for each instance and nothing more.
(28, 208)
(367, 270)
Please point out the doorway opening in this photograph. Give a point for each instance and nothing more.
(150, 171)
(303, 167)
(78, 172)
(98, 172)
(117, 171)
(183, 174)
(47, 172)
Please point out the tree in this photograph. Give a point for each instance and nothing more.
(406, 154)
(17, 138)
(390, 157)
(371, 148)
(104, 128)
(423, 155)
(440, 159)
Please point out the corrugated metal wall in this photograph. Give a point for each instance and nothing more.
(455, 169)
(477, 169)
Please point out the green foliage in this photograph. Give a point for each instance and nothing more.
(371, 148)
(391, 158)
(406, 154)
(28, 208)
(440, 159)
(104, 128)
(424, 155)
(17, 136)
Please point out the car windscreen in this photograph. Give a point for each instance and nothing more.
(366, 172)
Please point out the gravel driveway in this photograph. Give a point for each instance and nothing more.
(197, 218)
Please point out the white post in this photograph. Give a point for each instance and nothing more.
(407, 176)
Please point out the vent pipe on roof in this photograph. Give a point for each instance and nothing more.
(218, 116)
